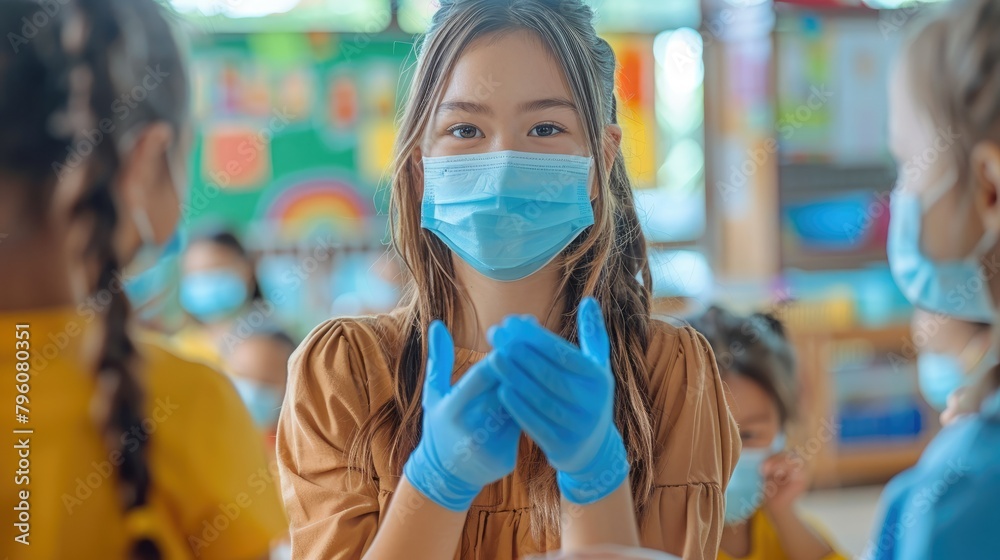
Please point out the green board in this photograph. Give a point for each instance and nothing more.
(293, 135)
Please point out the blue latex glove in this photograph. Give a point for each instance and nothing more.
(563, 398)
(468, 439)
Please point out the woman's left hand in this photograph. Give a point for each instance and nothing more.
(785, 480)
(563, 398)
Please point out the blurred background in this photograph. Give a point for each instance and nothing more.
(755, 133)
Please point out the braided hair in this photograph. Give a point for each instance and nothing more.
(84, 77)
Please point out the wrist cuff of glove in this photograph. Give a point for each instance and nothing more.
(604, 475)
(432, 480)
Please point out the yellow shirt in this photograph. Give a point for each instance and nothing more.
(764, 543)
(211, 495)
(195, 343)
(340, 375)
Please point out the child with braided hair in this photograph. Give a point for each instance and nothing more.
(128, 451)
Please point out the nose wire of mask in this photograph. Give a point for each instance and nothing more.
(507, 214)
(940, 287)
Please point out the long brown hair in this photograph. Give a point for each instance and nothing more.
(63, 84)
(608, 261)
(953, 61)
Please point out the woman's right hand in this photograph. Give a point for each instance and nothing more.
(562, 396)
(468, 439)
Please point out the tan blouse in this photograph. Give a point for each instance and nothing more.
(339, 375)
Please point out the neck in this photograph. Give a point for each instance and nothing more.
(36, 274)
(492, 301)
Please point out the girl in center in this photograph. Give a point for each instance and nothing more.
(527, 313)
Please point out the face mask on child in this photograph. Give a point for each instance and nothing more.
(213, 295)
(263, 401)
(745, 492)
(507, 214)
(940, 287)
(941, 374)
(147, 277)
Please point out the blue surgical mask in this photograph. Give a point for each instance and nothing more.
(939, 287)
(507, 214)
(745, 492)
(941, 374)
(262, 401)
(213, 295)
(148, 276)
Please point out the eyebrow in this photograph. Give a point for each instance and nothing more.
(760, 417)
(465, 106)
(549, 103)
(526, 107)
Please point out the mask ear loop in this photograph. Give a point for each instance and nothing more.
(144, 226)
(986, 242)
(932, 196)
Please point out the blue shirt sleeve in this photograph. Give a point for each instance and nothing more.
(946, 506)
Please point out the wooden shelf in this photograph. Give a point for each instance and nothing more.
(868, 464)
(832, 464)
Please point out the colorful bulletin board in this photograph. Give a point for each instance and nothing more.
(294, 134)
(831, 88)
(636, 105)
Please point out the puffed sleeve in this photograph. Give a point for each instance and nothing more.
(333, 510)
(697, 445)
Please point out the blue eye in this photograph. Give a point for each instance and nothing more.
(544, 130)
(465, 131)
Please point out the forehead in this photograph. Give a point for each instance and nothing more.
(258, 347)
(747, 399)
(204, 252)
(505, 69)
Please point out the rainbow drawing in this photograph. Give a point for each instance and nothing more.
(318, 207)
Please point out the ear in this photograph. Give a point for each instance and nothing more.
(144, 167)
(144, 184)
(612, 144)
(986, 177)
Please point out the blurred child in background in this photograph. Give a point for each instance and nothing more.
(943, 247)
(134, 453)
(756, 363)
(258, 366)
(220, 292)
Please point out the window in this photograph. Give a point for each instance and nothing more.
(358, 16)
